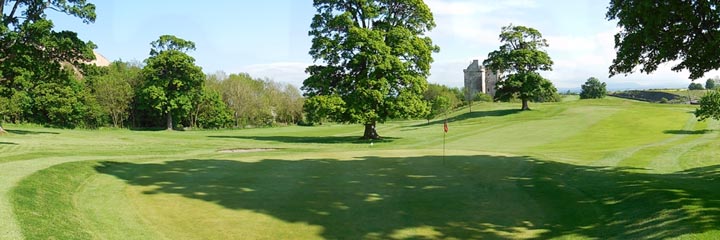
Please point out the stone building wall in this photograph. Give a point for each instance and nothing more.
(478, 79)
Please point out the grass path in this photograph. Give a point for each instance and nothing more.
(578, 169)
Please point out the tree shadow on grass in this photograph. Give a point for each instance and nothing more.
(471, 115)
(304, 139)
(688, 132)
(28, 132)
(8, 143)
(467, 197)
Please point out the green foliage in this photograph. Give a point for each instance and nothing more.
(210, 111)
(482, 97)
(259, 102)
(710, 84)
(521, 56)
(322, 107)
(709, 106)
(526, 86)
(114, 91)
(170, 42)
(695, 86)
(34, 64)
(683, 31)
(593, 88)
(172, 80)
(376, 59)
(440, 99)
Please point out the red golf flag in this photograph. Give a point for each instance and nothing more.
(445, 126)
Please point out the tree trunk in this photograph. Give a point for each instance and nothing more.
(2, 131)
(169, 121)
(370, 132)
(525, 105)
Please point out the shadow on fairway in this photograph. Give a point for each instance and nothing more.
(470, 115)
(27, 132)
(8, 143)
(319, 139)
(688, 132)
(468, 197)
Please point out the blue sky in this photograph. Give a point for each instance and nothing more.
(269, 38)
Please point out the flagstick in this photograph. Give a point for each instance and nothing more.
(444, 135)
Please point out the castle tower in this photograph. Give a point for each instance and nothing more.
(479, 79)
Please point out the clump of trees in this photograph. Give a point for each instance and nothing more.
(39, 65)
(441, 99)
(593, 88)
(258, 102)
(695, 86)
(521, 57)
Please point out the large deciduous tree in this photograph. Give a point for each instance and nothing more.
(520, 58)
(374, 59)
(32, 52)
(654, 32)
(172, 80)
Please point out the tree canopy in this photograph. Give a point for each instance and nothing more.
(39, 65)
(593, 88)
(695, 86)
(374, 59)
(655, 32)
(521, 57)
(709, 106)
(172, 80)
(710, 83)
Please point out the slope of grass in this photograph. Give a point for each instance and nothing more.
(607, 168)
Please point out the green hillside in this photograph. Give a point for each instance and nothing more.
(609, 168)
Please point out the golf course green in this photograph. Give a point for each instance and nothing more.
(577, 169)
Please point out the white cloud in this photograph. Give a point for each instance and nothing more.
(285, 72)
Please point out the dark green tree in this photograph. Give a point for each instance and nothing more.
(593, 88)
(709, 106)
(172, 80)
(520, 58)
(710, 84)
(32, 53)
(375, 61)
(695, 86)
(210, 111)
(683, 31)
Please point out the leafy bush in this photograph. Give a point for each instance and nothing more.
(593, 88)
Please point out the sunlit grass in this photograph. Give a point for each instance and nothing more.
(607, 168)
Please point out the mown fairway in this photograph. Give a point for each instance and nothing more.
(577, 169)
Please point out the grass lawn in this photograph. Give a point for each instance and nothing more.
(583, 169)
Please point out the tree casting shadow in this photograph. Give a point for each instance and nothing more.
(319, 139)
(468, 197)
